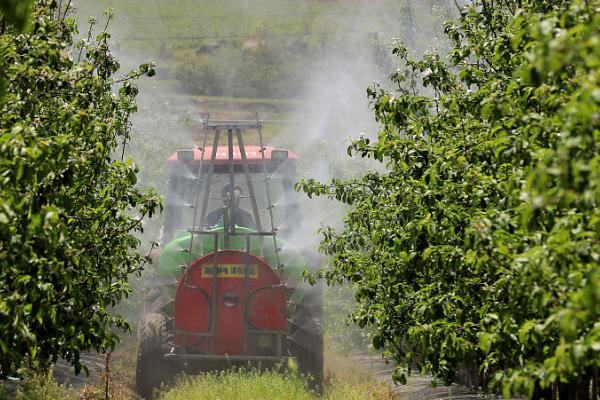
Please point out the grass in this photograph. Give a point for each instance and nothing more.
(43, 386)
(255, 385)
(345, 380)
(121, 374)
(38, 386)
(352, 383)
(366, 390)
(238, 385)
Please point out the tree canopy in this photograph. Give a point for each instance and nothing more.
(69, 204)
(15, 12)
(478, 248)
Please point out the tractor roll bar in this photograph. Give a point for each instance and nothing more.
(232, 129)
(265, 233)
(245, 123)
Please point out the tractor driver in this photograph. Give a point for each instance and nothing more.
(240, 216)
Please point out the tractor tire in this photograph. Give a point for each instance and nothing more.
(306, 342)
(151, 368)
(311, 361)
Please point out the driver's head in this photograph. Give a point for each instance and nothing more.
(237, 193)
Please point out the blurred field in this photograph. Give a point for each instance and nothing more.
(253, 49)
(187, 21)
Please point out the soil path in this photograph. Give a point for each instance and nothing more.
(65, 374)
(417, 387)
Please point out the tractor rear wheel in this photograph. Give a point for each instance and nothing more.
(151, 369)
(306, 339)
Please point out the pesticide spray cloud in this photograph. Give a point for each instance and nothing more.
(322, 54)
(248, 48)
(334, 108)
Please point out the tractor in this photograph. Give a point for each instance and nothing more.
(227, 289)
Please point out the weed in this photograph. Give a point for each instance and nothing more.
(255, 385)
(239, 385)
(38, 386)
(117, 378)
(365, 390)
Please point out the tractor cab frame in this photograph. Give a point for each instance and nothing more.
(228, 290)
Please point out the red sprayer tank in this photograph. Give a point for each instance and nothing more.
(249, 314)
